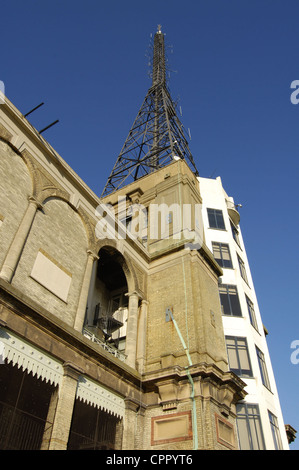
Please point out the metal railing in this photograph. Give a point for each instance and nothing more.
(107, 347)
(19, 430)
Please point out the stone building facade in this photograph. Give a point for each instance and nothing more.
(111, 338)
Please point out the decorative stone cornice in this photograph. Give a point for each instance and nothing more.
(132, 404)
(168, 392)
(72, 370)
(224, 387)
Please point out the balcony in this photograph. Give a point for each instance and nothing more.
(107, 347)
(232, 210)
(109, 331)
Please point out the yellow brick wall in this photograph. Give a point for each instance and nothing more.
(59, 231)
(15, 188)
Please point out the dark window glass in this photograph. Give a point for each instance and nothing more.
(249, 425)
(229, 299)
(238, 356)
(242, 269)
(275, 431)
(216, 219)
(263, 368)
(222, 254)
(235, 233)
(251, 313)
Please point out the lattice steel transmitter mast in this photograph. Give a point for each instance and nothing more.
(157, 136)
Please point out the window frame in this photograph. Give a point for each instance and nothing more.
(228, 296)
(275, 431)
(238, 348)
(263, 368)
(251, 313)
(215, 214)
(253, 422)
(220, 247)
(235, 233)
(242, 268)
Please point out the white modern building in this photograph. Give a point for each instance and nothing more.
(259, 418)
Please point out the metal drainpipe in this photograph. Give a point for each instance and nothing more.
(194, 418)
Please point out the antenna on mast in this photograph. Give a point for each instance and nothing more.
(157, 135)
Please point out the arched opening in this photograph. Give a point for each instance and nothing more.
(107, 305)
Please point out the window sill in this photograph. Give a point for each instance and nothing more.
(232, 316)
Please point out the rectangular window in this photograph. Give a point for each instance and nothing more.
(229, 299)
(275, 431)
(238, 356)
(242, 269)
(251, 313)
(263, 368)
(249, 427)
(222, 254)
(216, 219)
(235, 233)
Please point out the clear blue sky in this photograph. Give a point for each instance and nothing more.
(233, 62)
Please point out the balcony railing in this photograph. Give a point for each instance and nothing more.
(107, 347)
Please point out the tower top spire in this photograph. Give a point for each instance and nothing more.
(159, 74)
(157, 137)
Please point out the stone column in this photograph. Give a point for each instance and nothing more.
(50, 420)
(129, 429)
(17, 245)
(141, 336)
(119, 435)
(65, 405)
(80, 315)
(131, 338)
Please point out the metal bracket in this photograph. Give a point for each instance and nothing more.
(168, 314)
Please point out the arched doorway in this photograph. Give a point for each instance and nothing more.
(107, 305)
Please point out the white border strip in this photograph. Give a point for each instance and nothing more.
(90, 392)
(28, 358)
(25, 356)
